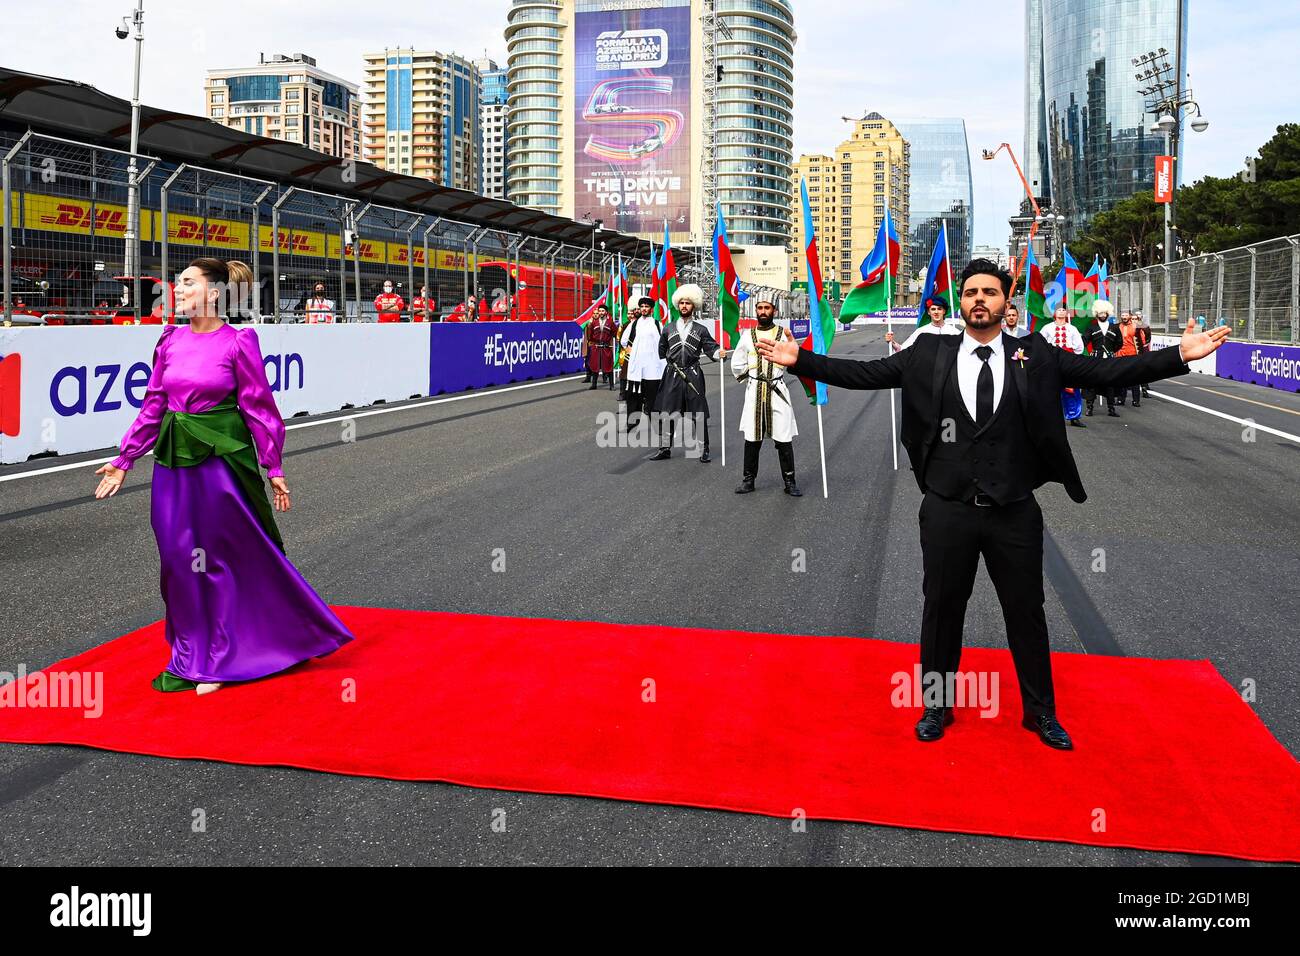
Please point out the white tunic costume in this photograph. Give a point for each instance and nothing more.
(769, 410)
(644, 361)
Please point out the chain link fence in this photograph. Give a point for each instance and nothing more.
(1255, 289)
(71, 256)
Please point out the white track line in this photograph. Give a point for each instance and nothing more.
(388, 410)
(1232, 418)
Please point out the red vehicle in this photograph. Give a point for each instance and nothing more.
(152, 289)
(538, 295)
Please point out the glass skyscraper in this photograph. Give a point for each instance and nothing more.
(940, 189)
(1086, 126)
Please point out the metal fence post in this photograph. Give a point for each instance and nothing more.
(1218, 289)
(1250, 321)
(1191, 287)
(355, 224)
(255, 247)
(1295, 289)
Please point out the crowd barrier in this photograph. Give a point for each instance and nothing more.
(75, 389)
(1272, 366)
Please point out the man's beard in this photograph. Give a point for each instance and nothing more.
(766, 323)
(986, 321)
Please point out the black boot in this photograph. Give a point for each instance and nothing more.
(785, 454)
(752, 448)
(594, 380)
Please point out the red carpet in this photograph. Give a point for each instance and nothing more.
(1168, 756)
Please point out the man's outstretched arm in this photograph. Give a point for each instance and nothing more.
(844, 373)
(1146, 367)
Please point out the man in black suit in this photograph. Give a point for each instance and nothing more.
(983, 428)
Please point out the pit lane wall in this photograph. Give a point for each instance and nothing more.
(1271, 366)
(76, 388)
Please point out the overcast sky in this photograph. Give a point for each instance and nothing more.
(898, 57)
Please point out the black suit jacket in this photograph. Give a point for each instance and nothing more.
(922, 370)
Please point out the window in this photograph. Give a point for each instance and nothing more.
(218, 112)
(218, 97)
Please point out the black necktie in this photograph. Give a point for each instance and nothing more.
(984, 388)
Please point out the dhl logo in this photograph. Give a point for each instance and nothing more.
(10, 380)
(192, 232)
(295, 243)
(74, 217)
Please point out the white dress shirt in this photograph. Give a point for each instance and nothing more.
(968, 370)
(948, 328)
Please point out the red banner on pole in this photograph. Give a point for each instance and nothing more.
(1164, 179)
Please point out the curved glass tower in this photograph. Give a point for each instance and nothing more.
(940, 191)
(755, 134)
(1096, 126)
(534, 46)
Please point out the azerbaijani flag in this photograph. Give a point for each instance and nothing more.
(879, 274)
(1104, 281)
(937, 277)
(1035, 300)
(728, 283)
(821, 322)
(666, 282)
(654, 283)
(1055, 293)
(624, 291)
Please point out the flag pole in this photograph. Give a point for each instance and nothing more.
(889, 320)
(821, 442)
(947, 259)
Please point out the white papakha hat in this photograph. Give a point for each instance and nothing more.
(689, 292)
(1102, 307)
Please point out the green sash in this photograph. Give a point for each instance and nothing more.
(186, 439)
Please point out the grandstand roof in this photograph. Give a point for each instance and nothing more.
(80, 111)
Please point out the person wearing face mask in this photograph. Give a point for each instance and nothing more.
(319, 309)
(389, 304)
(768, 411)
(423, 307)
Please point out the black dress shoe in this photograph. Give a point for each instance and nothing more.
(592, 388)
(1077, 423)
(1136, 403)
(933, 720)
(663, 454)
(746, 485)
(1090, 411)
(1112, 413)
(704, 457)
(792, 489)
(1049, 731)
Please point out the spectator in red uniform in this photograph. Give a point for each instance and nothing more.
(424, 308)
(389, 304)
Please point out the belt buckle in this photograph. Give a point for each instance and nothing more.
(987, 502)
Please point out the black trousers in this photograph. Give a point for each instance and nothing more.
(953, 536)
(641, 397)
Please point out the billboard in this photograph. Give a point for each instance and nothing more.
(632, 104)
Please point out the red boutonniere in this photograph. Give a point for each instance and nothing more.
(1020, 357)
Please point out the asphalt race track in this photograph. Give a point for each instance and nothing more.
(1201, 531)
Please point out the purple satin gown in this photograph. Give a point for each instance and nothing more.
(237, 609)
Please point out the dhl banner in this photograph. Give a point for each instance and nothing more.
(186, 230)
(76, 215)
(57, 214)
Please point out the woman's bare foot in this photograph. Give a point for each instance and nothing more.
(202, 689)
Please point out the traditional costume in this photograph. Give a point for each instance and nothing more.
(1066, 337)
(644, 369)
(237, 609)
(681, 393)
(768, 411)
(598, 347)
(1103, 341)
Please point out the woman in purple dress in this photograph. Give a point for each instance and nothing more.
(236, 608)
